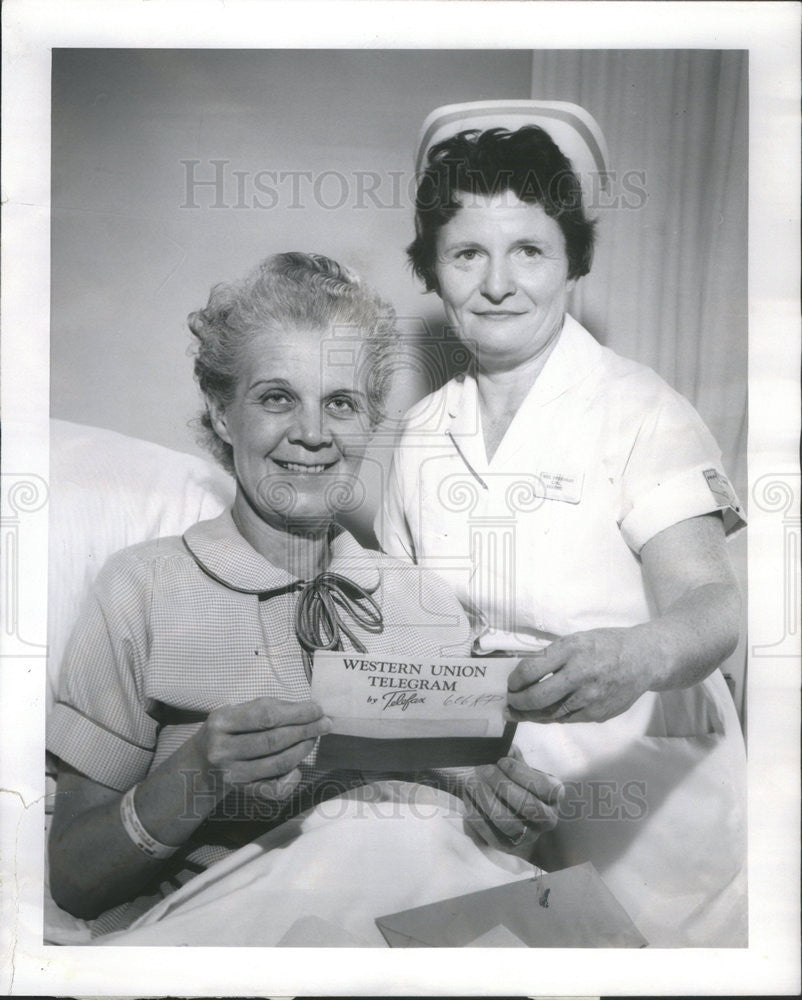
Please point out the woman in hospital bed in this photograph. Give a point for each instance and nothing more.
(184, 726)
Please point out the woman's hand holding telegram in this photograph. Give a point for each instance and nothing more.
(585, 677)
(258, 745)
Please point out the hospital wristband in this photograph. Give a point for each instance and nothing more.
(137, 833)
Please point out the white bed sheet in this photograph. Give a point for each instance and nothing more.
(381, 848)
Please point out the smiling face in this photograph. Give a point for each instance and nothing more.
(298, 428)
(502, 273)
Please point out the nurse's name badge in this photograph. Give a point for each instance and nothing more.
(565, 486)
(402, 714)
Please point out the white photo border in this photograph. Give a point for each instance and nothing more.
(769, 31)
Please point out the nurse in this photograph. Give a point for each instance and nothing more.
(578, 507)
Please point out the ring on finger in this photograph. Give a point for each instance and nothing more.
(563, 711)
(516, 841)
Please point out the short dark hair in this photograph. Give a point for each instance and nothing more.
(288, 291)
(527, 162)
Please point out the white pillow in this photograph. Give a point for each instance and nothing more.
(108, 491)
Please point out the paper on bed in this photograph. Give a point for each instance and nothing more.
(311, 931)
(405, 715)
(572, 908)
(497, 937)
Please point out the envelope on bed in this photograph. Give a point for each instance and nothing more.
(572, 908)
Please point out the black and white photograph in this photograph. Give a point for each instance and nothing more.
(410, 476)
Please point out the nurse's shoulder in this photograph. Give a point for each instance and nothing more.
(434, 413)
(636, 391)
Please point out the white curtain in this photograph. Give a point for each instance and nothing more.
(669, 282)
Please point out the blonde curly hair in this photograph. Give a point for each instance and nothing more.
(288, 290)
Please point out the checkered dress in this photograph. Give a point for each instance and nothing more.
(177, 627)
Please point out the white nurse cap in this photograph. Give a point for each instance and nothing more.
(573, 129)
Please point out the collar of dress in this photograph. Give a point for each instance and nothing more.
(221, 552)
(576, 354)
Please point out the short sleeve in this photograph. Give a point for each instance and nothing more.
(672, 472)
(99, 724)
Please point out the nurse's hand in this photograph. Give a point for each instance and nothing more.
(259, 744)
(509, 804)
(595, 675)
(585, 677)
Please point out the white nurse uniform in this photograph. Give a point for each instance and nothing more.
(542, 541)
